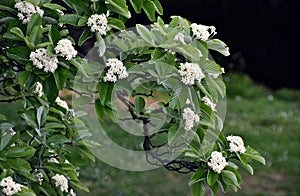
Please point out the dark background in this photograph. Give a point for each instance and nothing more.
(262, 35)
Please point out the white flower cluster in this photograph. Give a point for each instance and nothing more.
(236, 144)
(53, 160)
(209, 103)
(42, 60)
(39, 176)
(98, 23)
(116, 70)
(203, 32)
(215, 75)
(72, 193)
(217, 162)
(65, 49)
(26, 10)
(38, 89)
(61, 182)
(10, 131)
(62, 103)
(190, 118)
(180, 38)
(9, 186)
(190, 72)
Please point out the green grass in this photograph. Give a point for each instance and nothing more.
(268, 121)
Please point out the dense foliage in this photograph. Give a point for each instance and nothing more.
(43, 45)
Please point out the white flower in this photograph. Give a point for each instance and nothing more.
(190, 118)
(61, 182)
(203, 32)
(72, 193)
(209, 103)
(62, 103)
(65, 49)
(98, 23)
(9, 186)
(236, 144)
(11, 131)
(41, 60)
(53, 160)
(26, 10)
(179, 37)
(38, 89)
(116, 70)
(190, 72)
(39, 176)
(217, 162)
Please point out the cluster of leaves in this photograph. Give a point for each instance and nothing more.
(47, 131)
(51, 132)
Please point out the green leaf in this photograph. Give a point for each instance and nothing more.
(25, 192)
(20, 53)
(158, 53)
(23, 77)
(190, 52)
(2, 117)
(105, 91)
(253, 154)
(18, 32)
(80, 65)
(34, 2)
(149, 9)
(179, 96)
(41, 116)
(236, 173)
(229, 178)
(5, 141)
(78, 6)
(173, 134)
(145, 34)
(200, 175)
(29, 120)
(79, 185)
(219, 46)
(60, 76)
(118, 6)
(54, 125)
(100, 44)
(86, 34)
(58, 139)
(53, 6)
(137, 5)
(116, 23)
(139, 104)
(158, 6)
(198, 189)
(35, 35)
(99, 108)
(50, 89)
(214, 189)
(83, 20)
(212, 177)
(19, 164)
(71, 19)
(35, 20)
(6, 8)
(54, 35)
(6, 126)
(21, 151)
